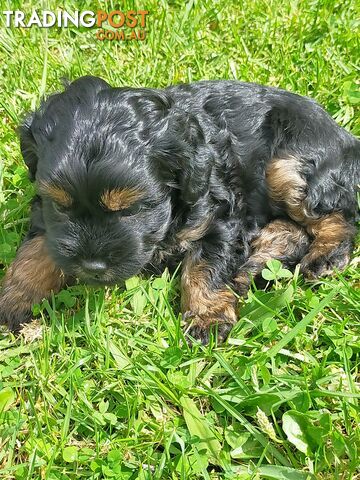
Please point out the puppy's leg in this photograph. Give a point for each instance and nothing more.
(206, 302)
(31, 277)
(332, 234)
(282, 240)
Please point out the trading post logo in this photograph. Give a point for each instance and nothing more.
(114, 25)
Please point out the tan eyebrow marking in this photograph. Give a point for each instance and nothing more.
(56, 193)
(118, 199)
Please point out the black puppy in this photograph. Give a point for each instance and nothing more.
(222, 175)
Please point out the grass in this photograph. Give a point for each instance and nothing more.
(104, 386)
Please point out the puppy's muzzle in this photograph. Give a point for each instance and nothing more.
(94, 268)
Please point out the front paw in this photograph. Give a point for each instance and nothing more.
(201, 327)
(14, 314)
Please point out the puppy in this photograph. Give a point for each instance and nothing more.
(220, 175)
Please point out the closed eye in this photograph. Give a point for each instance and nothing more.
(132, 210)
(59, 197)
(60, 208)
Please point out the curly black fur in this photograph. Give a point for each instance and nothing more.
(199, 157)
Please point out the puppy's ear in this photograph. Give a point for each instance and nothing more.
(87, 85)
(38, 125)
(28, 146)
(184, 159)
(197, 162)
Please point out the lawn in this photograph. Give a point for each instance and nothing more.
(103, 385)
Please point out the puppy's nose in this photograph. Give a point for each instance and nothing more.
(94, 267)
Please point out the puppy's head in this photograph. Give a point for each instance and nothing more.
(106, 163)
